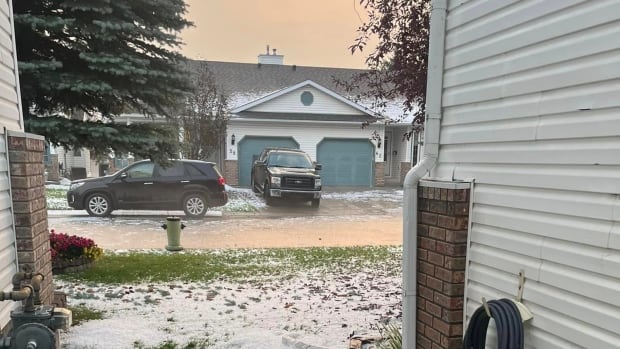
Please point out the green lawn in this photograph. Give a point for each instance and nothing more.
(206, 265)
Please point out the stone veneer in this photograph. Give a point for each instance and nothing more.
(442, 246)
(380, 174)
(404, 169)
(29, 207)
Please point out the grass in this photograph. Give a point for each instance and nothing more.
(56, 199)
(82, 314)
(206, 265)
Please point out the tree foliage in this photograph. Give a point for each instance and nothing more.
(398, 64)
(204, 117)
(101, 57)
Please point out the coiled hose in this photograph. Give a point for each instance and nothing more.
(507, 320)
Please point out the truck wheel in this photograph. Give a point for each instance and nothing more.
(315, 203)
(253, 185)
(267, 194)
(98, 205)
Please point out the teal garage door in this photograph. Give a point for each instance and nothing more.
(251, 146)
(346, 162)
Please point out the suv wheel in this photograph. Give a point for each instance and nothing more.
(98, 205)
(266, 194)
(194, 205)
(315, 203)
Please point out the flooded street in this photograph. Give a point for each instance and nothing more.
(340, 221)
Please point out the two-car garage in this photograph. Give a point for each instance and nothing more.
(346, 162)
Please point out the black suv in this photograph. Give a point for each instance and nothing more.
(286, 173)
(191, 185)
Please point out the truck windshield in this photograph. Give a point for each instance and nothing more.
(291, 160)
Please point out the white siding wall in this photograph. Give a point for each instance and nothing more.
(291, 103)
(9, 119)
(531, 111)
(308, 135)
(69, 160)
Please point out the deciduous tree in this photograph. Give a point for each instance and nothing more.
(398, 64)
(204, 117)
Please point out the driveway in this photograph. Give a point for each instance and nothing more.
(347, 217)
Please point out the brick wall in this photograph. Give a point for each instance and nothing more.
(442, 246)
(380, 174)
(30, 212)
(231, 172)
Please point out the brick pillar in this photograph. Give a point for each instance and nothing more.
(231, 172)
(379, 174)
(442, 245)
(29, 207)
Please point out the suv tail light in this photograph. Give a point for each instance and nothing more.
(221, 181)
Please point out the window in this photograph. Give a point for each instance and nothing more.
(77, 152)
(143, 170)
(307, 98)
(174, 171)
(193, 171)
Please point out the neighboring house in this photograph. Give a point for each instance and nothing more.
(529, 111)
(77, 163)
(273, 104)
(23, 216)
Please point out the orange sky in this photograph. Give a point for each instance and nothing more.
(306, 32)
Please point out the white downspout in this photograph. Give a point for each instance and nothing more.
(434, 87)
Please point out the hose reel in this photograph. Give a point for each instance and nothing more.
(509, 316)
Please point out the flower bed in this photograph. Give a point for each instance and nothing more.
(71, 253)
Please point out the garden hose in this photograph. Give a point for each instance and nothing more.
(507, 320)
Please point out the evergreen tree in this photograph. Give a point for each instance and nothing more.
(101, 57)
(204, 117)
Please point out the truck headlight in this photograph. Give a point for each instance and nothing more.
(317, 183)
(275, 181)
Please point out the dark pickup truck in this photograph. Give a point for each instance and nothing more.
(286, 173)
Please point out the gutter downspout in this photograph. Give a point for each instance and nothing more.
(434, 89)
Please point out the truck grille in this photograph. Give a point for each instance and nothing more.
(298, 182)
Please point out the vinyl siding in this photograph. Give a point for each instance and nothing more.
(8, 252)
(531, 112)
(291, 103)
(9, 119)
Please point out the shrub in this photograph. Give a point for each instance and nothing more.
(68, 248)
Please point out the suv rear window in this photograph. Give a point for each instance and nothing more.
(193, 171)
(203, 169)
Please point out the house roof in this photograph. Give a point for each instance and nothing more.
(244, 83)
(303, 84)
